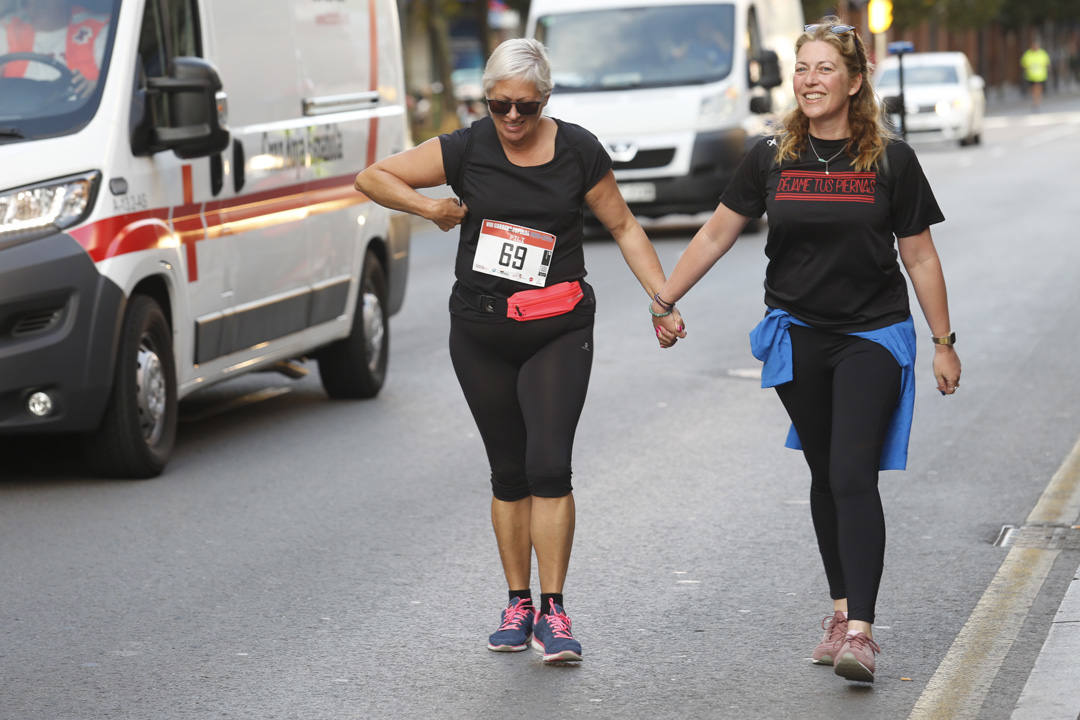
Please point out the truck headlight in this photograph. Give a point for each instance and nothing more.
(35, 210)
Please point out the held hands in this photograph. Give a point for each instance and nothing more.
(946, 369)
(670, 328)
(448, 212)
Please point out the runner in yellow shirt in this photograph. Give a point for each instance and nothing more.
(1036, 64)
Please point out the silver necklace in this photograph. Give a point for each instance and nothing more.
(821, 159)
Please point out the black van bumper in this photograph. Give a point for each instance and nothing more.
(59, 324)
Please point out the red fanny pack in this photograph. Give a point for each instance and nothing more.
(558, 299)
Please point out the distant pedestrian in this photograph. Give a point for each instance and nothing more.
(837, 340)
(521, 313)
(1036, 64)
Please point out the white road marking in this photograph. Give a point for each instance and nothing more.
(963, 679)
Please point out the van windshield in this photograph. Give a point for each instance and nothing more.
(53, 58)
(655, 46)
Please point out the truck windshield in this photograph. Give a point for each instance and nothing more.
(654, 46)
(53, 58)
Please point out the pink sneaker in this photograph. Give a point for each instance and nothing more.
(835, 628)
(855, 659)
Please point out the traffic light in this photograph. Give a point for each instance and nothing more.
(879, 15)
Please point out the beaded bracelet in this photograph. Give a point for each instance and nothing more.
(656, 314)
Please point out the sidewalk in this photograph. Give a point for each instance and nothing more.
(1012, 100)
(1053, 690)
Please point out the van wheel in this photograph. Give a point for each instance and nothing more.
(136, 435)
(355, 367)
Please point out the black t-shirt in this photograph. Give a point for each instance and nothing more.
(548, 197)
(831, 242)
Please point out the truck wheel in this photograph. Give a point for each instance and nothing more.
(355, 367)
(137, 432)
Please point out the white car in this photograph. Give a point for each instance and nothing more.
(943, 96)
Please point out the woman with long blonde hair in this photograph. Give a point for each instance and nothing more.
(838, 340)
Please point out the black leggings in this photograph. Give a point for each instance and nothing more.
(842, 397)
(525, 383)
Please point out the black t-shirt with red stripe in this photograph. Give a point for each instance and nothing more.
(548, 197)
(832, 236)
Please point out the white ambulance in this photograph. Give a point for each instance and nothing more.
(677, 90)
(177, 207)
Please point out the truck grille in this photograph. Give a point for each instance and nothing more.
(647, 159)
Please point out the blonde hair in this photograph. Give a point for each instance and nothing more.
(519, 57)
(869, 135)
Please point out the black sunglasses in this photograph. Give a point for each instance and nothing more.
(835, 29)
(501, 107)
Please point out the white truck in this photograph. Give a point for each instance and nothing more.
(677, 90)
(176, 207)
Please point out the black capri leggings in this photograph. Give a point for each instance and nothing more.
(525, 383)
(843, 395)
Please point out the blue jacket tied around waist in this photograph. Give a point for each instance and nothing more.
(770, 342)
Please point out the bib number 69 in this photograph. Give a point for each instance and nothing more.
(513, 256)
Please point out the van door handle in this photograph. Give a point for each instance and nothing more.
(327, 104)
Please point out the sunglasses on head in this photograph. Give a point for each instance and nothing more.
(835, 29)
(501, 107)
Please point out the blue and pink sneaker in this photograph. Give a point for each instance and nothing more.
(517, 625)
(551, 636)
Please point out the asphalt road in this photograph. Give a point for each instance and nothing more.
(303, 558)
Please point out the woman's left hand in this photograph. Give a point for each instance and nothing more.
(946, 369)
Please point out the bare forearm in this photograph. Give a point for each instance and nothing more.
(640, 256)
(707, 246)
(390, 191)
(929, 282)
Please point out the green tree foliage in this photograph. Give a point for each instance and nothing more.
(1018, 13)
(953, 14)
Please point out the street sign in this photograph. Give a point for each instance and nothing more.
(901, 46)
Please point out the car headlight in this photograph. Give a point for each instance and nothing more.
(35, 210)
(952, 107)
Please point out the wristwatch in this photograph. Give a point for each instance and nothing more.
(949, 339)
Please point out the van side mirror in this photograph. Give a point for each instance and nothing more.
(768, 70)
(187, 112)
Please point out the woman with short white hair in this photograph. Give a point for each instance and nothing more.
(521, 313)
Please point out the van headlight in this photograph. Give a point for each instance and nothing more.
(35, 210)
(717, 108)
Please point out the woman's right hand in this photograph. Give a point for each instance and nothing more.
(670, 328)
(448, 212)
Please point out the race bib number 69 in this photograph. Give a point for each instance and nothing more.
(514, 252)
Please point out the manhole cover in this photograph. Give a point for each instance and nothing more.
(1045, 537)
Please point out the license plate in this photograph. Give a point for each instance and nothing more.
(638, 192)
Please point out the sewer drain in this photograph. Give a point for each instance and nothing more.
(1045, 537)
